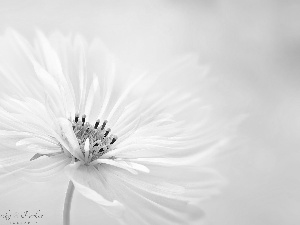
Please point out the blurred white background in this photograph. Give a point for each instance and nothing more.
(253, 50)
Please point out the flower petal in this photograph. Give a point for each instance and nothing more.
(90, 184)
(129, 166)
(150, 202)
(38, 170)
(70, 141)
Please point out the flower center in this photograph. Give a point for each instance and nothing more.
(95, 140)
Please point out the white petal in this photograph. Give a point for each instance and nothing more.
(40, 169)
(88, 183)
(71, 141)
(52, 89)
(129, 166)
(92, 96)
(54, 68)
(111, 78)
(150, 203)
(82, 72)
(121, 165)
(86, 149)
(124, 96)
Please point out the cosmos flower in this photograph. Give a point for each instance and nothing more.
(135, 143)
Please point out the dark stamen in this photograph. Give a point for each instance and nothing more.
(97, 124)
(104, 124)
(100, 138)
(113, 140)
(83, 119)
(107, 132)
(76, 117)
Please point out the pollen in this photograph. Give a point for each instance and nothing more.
(94, 140)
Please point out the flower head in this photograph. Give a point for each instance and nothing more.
(132, 143)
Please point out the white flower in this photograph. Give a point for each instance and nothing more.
(132, 143)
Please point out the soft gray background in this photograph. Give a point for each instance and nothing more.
(253, 49)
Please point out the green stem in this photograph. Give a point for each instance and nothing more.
(67, 206)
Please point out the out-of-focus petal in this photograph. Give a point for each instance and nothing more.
(150, 201)
(90, 184)
(38, 170)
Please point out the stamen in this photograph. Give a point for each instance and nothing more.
(83, 119)
(93, 140)
(97, 124)
(104, 124)
(76, 117)
(107, 132)
(113, 140)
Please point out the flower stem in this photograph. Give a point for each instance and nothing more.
(67, 206)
